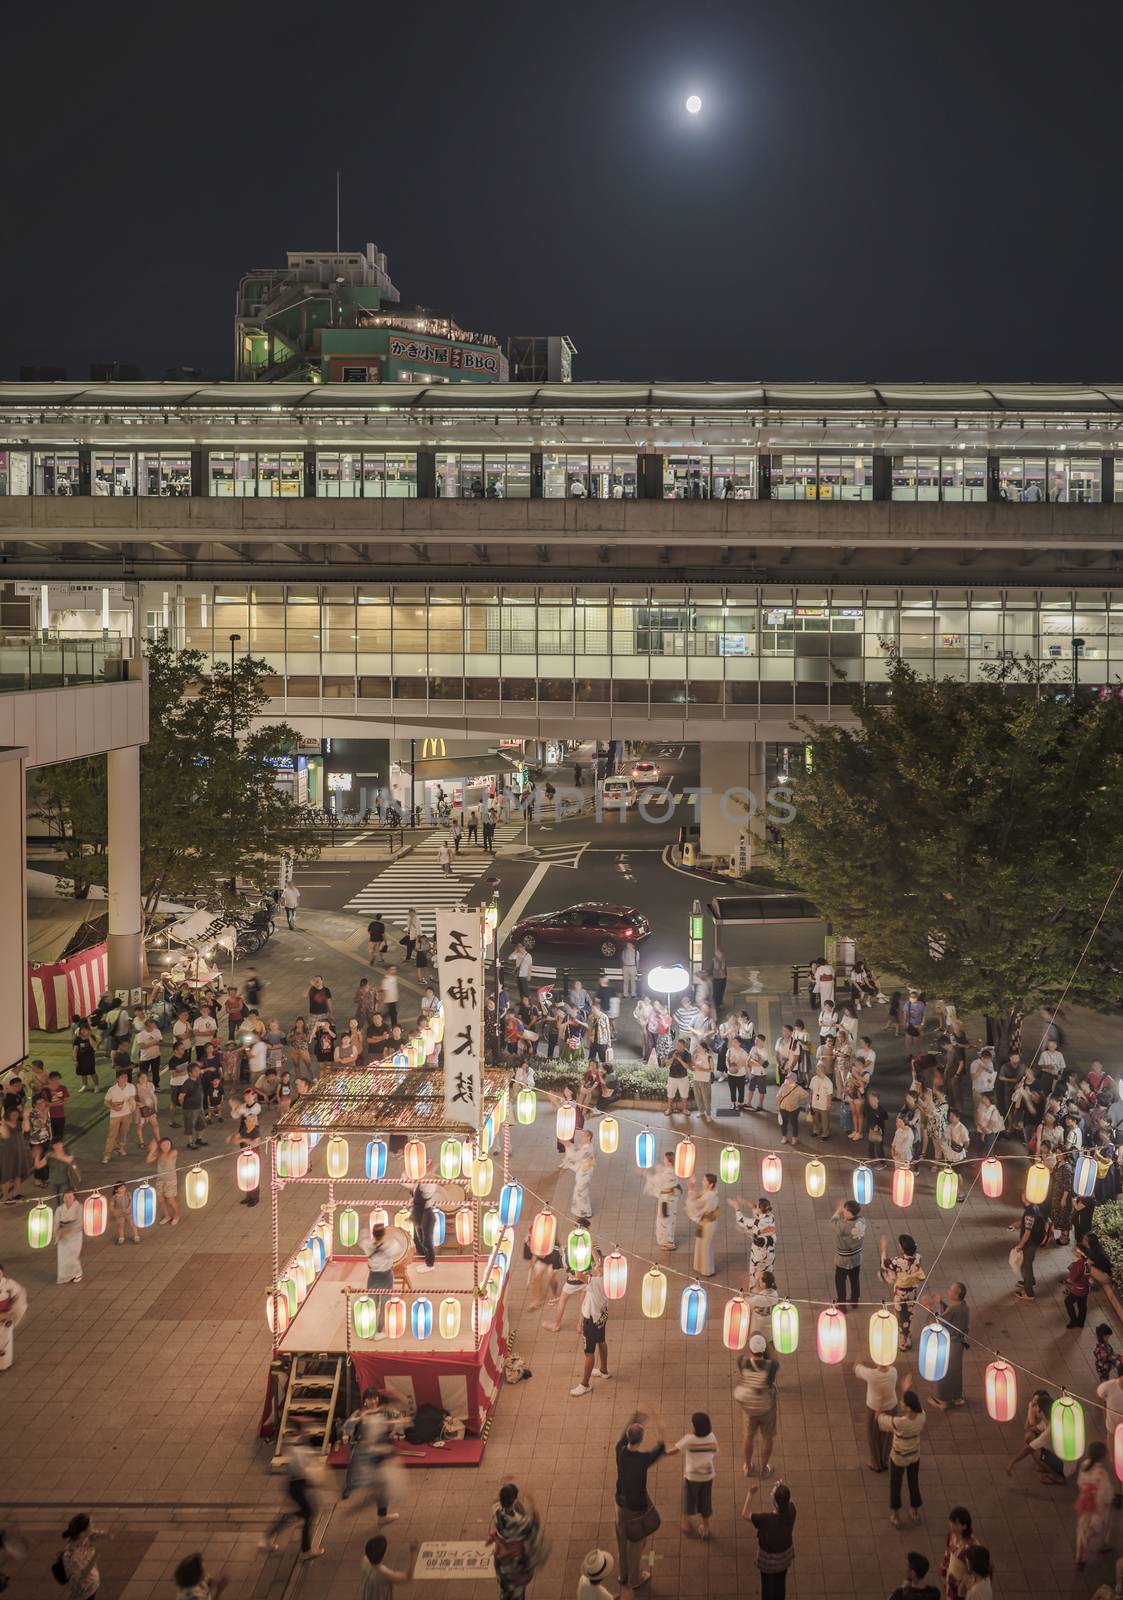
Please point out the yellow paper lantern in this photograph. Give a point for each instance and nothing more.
(566, 1121)
(884, 1337)
(609, 1136)
(338, 1156)
(378, 1218)
(526, 1106)
(198, 1187)
(1037, 1183)
(815, 1178)
(483, 1176)
(448, 1318)
(653, 1294)
(249, 1171)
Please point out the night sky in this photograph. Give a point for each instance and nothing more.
(871, 190)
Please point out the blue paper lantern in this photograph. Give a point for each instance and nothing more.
(692, 1309)
(438, 1229)
(645, 1150)
(376, 1158)
(144, 1205)
(502, 1262)
(863, 1185)
(510, 1204)
(319, 1254)
(1084, 1177)
(934, 1352)
(422, 1318)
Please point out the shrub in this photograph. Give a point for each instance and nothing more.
(1108, 1229)
(636, 1082)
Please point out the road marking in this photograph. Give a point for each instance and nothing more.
(522, 899)
(369, 834)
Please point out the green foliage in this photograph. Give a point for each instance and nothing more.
(1107, 1225)
(210, 809)
(636, 1082)
(968, 836)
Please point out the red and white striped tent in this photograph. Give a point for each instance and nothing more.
(56, 990)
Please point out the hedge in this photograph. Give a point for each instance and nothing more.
(636, 1081)
(1107, 1225)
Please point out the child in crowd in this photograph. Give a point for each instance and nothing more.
(120, 1209)
(1104, 1355)
(698, 1449)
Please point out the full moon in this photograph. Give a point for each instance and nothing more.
(693, 104)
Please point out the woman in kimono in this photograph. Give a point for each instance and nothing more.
(956, 1318)
(703, 1207)
(662, 1183)
(13, 1309)
(516, 1541)
(68, 1237)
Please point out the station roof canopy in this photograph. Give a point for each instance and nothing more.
(598, 398)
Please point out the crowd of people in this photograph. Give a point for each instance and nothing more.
(191, 1066)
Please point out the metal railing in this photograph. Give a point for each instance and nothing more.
(46, 661)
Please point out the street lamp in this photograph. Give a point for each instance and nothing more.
(232, 882)
(669, 980)
(235, 638)
(1077, 647)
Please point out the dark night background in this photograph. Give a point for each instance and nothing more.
(871, 191)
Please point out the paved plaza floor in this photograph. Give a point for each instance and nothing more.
(137, 1393)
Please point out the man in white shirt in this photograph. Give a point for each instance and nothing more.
(881, 1395)
(983, 1074)
(988, 1118)
(148, 1042)
(594, 1325)
(203, 1031)
(389, 994)
(259, 1057)
(121, 1100)
(1051, 1060)
(865, 1057)
(524, 967)
(822, 1094)
(290, 899)
(629, 969)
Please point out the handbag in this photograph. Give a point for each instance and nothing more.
(1016, 1258)
(642, 1524)
(58, 1570)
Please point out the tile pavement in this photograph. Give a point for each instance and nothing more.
(138, 1393)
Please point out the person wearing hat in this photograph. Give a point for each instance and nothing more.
(596, 1567)
(755, 1393)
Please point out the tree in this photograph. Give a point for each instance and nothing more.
(210, 811)
(968, 837)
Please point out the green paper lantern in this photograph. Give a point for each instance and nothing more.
(489, 1227)
(40, 1226)
(527, 1106)
(730, 1164)
(364, 1314)
(947, 1189)
(348, 1227)
(1066, 1426)
(579, 1250)
(785, 1327)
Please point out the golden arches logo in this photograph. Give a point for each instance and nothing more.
(432, 747)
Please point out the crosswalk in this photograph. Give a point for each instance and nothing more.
(417, 881)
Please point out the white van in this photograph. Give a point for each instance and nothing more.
(618, 792)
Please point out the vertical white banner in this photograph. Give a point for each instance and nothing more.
(460, 972)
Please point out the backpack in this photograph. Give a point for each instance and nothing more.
(58, 1570)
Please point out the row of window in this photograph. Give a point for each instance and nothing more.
(506, 475)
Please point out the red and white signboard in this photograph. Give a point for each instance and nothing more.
(58, 990)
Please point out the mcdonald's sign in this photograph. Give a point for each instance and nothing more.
(432, 747)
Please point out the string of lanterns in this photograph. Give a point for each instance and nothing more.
(1000, 1385)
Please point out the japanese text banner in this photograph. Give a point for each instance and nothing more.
(460, 971)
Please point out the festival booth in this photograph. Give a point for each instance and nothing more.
(357, 1145)
(67, 965)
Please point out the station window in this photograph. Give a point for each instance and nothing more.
(500, 475)
(168, 476)
(822, 477)
(1075, 479)
(577, 476)
(250, 474)
(1022, 478)
(366, 474)
(55, 472)
(949, 477)
(15, 477)
(706, 477)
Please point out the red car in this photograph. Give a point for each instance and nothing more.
(591, 925)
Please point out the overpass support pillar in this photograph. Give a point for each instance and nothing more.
(125, 942)
(13, 906)
(731, 807)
